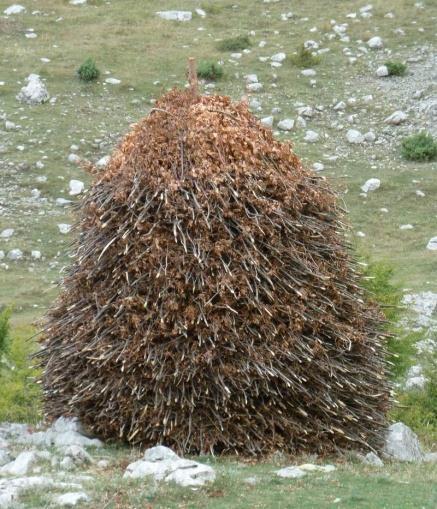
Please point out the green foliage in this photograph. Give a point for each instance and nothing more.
(419, 147)
(418, 408)
(4, 331)
(304, 58)
(88, 70)
(20, 396)
(396, 68)
(211, 8)
(377, 281)
(235, 43)
(209, 70)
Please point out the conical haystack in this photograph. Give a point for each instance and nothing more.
(212, 304)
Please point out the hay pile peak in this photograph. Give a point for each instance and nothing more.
(212, 305)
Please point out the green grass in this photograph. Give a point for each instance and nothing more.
(235, 43)
(419, 147)
(396, 68)
(304, 57)
(20, 396)
(209, 70)
(352, 486)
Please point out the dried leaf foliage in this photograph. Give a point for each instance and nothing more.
(212, 304)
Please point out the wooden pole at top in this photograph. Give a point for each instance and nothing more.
(192, 77)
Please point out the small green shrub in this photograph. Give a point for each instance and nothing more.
(396, 68)
(418, 408)
(4, 331)
(304, 58)
(20, 395)
(209, 70)
(88, 70)
(419, 147)
(235, 43)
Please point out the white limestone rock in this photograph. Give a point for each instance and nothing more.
(372, 459)
(354, 137)
(15, 254)
(21, 465)
(396, 118)
(267, 121)
(103, 161)
(432, 244)
(278, 57)
(308, 72)
(382, 71)
(71, 499)
(76, 187)
(35, 92)
(371, 185)
(7, 233)
(291, 473)
(112, 81)
(402, 444)
(163, 464)
(14, 9)
(64, 228)
(286, 125)
(311, 137)
(375, 43)
(73, 158)
(175, 15)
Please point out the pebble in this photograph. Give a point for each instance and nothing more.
(371, 185)
(7, 233)
(382, 71)
(286, 125)
(113, 81)
(278, 57)
(375, 43)
(76, 187)
(355, 137)
(64, 228)
(311, 137)
(15, 254)
(73, 158)
(432, 244)
(396, 118)
(267, 121)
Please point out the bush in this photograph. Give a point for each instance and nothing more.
(4, 331)
(419, 147)
(209, 70)
(304, 58)
(418, 408)
(235, 43)
(20, 395)
(88, 70)
(396, 68)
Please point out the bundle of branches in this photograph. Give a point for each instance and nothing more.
(212, 305)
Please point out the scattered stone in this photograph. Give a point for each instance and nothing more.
(36, 255)
(78, 2)
(406, 227)
(396, 118)
(62, 202)
(370, 137)
(415, 379)
(267, 121)
(286, 125)
(310, 467)
(254, 87)
(4, 457)
(14, 9)
(73, 158)
(340, 106)
(419, 193)
(76, 187)
(308, 72)
(291, 473)
(7, 233)
(371, 185)
(200, 12)
(35, 92)
(382, 71)
(375, 43)
(402, 444)
(355, 137)
(318, 166)
(360, 234)
(102, 162)
(432, 244)
(251, 78)
(373, 459)
(15, 254)
(113, 81)
(64, 228)
(311, 137)
(175, 15)
(77, 454)
(163, 464)
(21, 465)
(71, 499)
(278, 57)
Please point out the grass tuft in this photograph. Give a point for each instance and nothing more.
(419, 147)
(88, 71)
(304, 58)
(209, 70)
(235, 43)
(396, 68)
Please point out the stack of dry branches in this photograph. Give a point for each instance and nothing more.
(212, 305)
